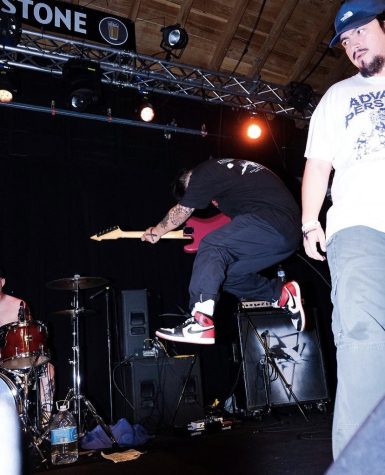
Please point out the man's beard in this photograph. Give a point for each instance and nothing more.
(373, 68)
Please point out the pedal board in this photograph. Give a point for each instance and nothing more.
(209, 424)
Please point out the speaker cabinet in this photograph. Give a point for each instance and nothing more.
(275, 357)
(160, 392)
(135, 321)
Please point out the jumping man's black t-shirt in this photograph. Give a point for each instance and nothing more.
(240, 187)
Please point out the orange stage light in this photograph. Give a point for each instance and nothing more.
(254, 131)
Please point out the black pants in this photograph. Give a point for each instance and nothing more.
(231, 257)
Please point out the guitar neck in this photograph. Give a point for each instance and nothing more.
(117, 233)
(170, 235)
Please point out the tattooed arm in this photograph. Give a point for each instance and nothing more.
(173, 219)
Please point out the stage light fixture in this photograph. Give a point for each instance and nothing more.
(146, 111)
(300, 96)
(174, 37)
(83, 82)
(10, 29)
(253, 129)
(81, 99)
(8, 85)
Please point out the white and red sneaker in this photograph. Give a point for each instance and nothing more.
(290, 300)
(198, 329)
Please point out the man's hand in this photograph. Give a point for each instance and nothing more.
(311, 239)
(151, 235)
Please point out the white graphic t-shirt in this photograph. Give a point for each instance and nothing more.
(348, 130)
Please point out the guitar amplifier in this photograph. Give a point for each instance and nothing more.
(255, 306)
(275, 356)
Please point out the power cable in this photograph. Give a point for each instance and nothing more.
(246, 49)
(315, 66)
(328, 284)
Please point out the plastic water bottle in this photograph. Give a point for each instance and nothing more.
(64, 436)
(281, 274)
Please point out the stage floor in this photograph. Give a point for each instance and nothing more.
(279, 443)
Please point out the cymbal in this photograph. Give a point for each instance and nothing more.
(70, 312)
(76, 283)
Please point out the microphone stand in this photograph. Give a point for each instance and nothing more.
(106, 292)
(107, 295)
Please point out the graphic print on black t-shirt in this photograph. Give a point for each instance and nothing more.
(238, 187)
(241, 166)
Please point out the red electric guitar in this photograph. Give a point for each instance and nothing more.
(195, 230)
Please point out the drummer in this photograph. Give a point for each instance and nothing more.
(9, 313)
(9, 306)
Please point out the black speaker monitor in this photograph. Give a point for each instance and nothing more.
(160, 392)
(135, 321)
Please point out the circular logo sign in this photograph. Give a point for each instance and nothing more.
(113, 31)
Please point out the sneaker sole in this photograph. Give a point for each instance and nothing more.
(300, 309)
(181, 339)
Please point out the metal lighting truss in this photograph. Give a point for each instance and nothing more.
(48, 53)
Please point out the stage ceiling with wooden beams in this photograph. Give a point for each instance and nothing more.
(278, 41)
(262, 55)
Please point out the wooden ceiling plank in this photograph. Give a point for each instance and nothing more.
(134, 9)
(273, 37)
(305, 59)
(184, 12)
(231, 28)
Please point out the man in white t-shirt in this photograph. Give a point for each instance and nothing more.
(347, 134)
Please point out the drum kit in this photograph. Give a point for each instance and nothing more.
(24, 356)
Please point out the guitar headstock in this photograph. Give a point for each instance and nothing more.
(110, 233)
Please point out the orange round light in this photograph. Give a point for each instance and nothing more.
(254, 131)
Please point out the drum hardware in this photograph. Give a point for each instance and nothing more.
(16, 392)
(23, 352)
(70, 312)
(75, 284)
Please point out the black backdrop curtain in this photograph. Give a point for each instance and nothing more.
(64, 179)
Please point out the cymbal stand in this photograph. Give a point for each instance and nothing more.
(75, 394)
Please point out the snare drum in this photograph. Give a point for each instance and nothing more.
(23, 345)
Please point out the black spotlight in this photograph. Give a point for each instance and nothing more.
(10, 29)
(9, 84)
(83, 83)
(174, 38)
(300, 96)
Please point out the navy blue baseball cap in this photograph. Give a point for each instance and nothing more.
(355, 13)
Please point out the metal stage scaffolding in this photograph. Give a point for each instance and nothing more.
(47, 53)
